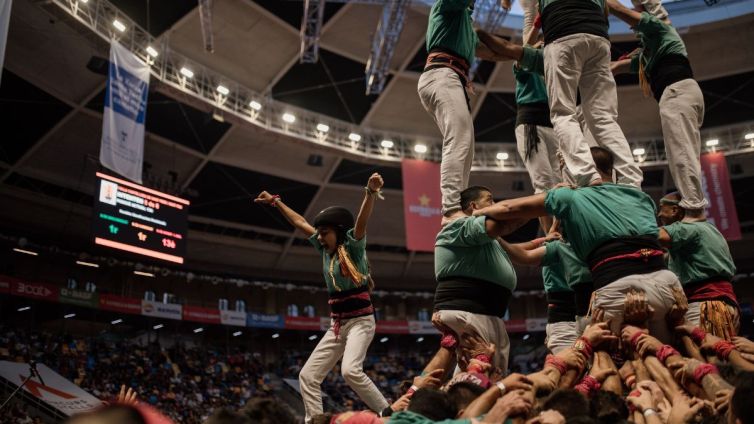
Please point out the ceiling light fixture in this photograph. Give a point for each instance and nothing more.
(120, 26)
(186, 72)
(712, 143)
(223, 90)
(90, 264)
(502, 156)
(152, 52)
(323, 128)
(354, 137)
(639, 151)
(255, 105)
(420, 148)
(289, 118)
(387, 144)
(145, 274)
(25, 252)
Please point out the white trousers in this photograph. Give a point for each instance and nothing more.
(543, 165)
(443, 96)
(355, 336)
(581, 63)
(560, 335)
(658, 287)
(490, 328)
(682, 114)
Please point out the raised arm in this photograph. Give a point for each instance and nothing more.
(289, 214)
(500, 46)
(527, 253)
(622, 66)
(629, 16)
(523, 207)
(372, 190)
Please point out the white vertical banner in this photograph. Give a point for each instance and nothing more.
(5, 6)
(122, 148)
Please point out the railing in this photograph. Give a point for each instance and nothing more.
(230, 97)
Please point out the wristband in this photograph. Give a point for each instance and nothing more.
(377, 192)
(557, 363)
(583, 346)
(387, 412)
(538, 21)
(500, 385)
(698, 335)
(588, 385)
(275, 200)
(649, 411)
(665, 352)
(723, 349)
(412, 390)
(483, 358)
(448, 341)
(630, 381)
(635, 338)
(478, 367)
(702, 371)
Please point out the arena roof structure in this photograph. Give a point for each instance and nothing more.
(221, 150)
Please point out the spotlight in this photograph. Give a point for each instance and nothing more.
(313, 337)
(502, 156)
(84, 1)
(712, 143)
(116, 321)
(387, 144)
(152, 52)
(237, 333)
(749, 136)
(24, 308)
(354, 137)
(255, 105)
(275, 336)
(639, 151)
(145, 274)
(383, 340)
(186, 72)
(323, 128)
(120, 26)
(420, 148)
(157, 327)
(87, 264)
(420, 339)
(66, 316)
(25, 252)
(287, 117)
(223, 90)
(198, 330)
(526, 336)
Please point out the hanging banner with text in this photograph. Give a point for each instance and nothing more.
(5, 6)
(422, 203)
(716, 183)
(122, 148)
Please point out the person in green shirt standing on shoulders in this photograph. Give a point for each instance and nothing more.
(612, 228)
(699, 255)
(664, 71)
(342, 245)
(444, 88)
(475, 277)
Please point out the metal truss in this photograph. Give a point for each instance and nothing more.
(489, 16)
(205, 18)
(311, 29)
(383, 44)
(231, 98)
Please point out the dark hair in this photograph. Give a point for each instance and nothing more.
(603, 159)
(607, 407)
(568, 402)
(472, 194)
(742, 395)
(582, 419)
(463, 393)
(268, 411)
(432, 404)
(226, 416)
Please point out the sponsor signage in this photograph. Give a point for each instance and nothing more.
(161, 310)
(34, 290)
(199, 314)
(233, 318)
(126, 305)
(265, 321)
(79, 298)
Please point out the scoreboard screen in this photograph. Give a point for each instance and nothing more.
(140, 220)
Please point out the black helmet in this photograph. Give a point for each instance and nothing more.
(335, 216)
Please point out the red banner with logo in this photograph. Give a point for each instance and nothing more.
(34, 290)
(722, 208)
(302, 323)
(422, 203)
(392, 327)
(6, 283)
(199, 314)
(126, 305)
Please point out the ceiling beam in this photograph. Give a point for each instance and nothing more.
(309, 210)
(207, 158)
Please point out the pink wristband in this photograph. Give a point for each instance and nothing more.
(723, 349)
(665, 352)
(698, 335)
(703, 370)
(448, 341)
(635, 339)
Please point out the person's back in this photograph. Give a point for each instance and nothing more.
(699, 252)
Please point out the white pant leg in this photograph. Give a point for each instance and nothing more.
(560, 335)
(682, 114)
(490, 328)
(658, 287)
(563, 62)
(358, 334)
(599, 98)
(542, 165)
(320, 363)
(442, 95)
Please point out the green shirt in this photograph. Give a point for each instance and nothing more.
(698, 251)
(408, 417)
(658, 39)
(450, 27)
(463, 249)
(356, 250)
(532, 60)
(590, 216)
(530, 87)
(561, 260)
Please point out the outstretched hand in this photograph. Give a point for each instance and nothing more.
(127, 397)
(431, 379)
(375, 182)
(264, 198)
